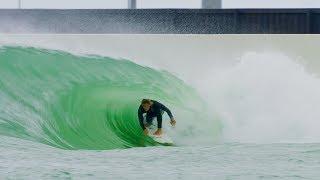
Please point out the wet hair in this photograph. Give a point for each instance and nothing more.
(146, 101)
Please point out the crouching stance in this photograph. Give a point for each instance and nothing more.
(153, 109)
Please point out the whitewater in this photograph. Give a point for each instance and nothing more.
(65, 115)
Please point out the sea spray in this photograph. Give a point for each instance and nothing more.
(266, 98)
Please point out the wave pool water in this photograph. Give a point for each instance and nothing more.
(65, 116)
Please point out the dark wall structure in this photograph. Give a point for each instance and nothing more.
(161, 21)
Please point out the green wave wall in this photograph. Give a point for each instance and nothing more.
(83, 102)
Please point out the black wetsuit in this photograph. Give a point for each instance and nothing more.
(155, 110)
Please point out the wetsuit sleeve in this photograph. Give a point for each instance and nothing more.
(159, 120)
(164, 108)
(140, 116)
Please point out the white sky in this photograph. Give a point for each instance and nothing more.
(8, 4)
(70, 4)
(169, 3)
(66, 4)
(101, 4)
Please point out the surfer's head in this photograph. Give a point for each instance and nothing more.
(146, 104)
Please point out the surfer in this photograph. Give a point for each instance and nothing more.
(153, 109)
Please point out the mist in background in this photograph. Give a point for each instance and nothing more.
(169, 51)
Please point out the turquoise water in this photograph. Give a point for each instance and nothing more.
(82, 102)
(67, 116)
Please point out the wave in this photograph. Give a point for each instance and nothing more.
(86, 102)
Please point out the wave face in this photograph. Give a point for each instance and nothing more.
(84, 102)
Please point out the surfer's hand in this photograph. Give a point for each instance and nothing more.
(145, 132)
(173, 122)
(158, 132)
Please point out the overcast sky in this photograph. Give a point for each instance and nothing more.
(86, 4)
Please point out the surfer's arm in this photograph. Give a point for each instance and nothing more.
(159, 120)
(140, 116)
(167, 110)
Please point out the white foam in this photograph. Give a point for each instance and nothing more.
(266, 97)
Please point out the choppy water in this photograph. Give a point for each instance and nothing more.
(67, 116)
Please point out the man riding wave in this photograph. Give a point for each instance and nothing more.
(153, 109)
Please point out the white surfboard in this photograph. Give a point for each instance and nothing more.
(162, 139)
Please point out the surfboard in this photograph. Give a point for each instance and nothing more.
(163, 139)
